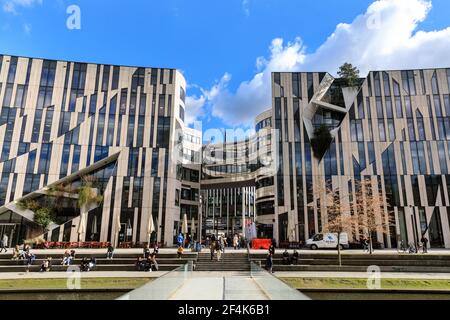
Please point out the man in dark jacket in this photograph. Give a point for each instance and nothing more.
(269, 263)
(424, 242)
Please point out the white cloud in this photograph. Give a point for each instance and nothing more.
(11, 5)
(386, 36)
(194, 108)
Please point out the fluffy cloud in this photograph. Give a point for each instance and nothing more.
(386, 36)
(11, 5)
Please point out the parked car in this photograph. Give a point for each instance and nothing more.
(327, 241)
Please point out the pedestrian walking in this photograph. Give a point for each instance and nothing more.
(219, 249)
(110, 252)
(424, 242)
(365, 244)
(269, 263)
(235, 241)
(4, 243)
(212, 248)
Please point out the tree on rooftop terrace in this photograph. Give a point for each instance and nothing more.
(350, 73)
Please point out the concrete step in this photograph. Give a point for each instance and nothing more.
(4, 262)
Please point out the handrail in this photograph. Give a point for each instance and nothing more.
(164, 287)
(274, 288)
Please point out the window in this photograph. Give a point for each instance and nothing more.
(154, 77)
(182, 94)
(76, 159)
(448, 79)
(389, 110)
(36, 126)
(277, 78)
(310, 84)
(181, 113)
(12, 70)
(110, 132)
(21, 96)
(408, 107)
(163, 133)
(48, 125)
(138, 79)
(65, 160)
(420, 126)
(412, 133)
(123, 101)
(155, 162)
(447, 105)
(387, 85)
(140, 133)
(434, 84)
(142, 104)
(8, 95)
(100, 129)
(422, 79)
(377, 84)
(130, 134)
(391, 128)
(408, 81)
(398, 107)
(115, 79)
(105, 81)
(379, 104)
(296, 84)
(161, 105)
(382, 131)
(437, 105)
(396, 88)
(44, 160)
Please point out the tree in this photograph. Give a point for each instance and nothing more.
(338, 218)
(374, 212)
(87, 194)
(350, 73)
(32, 205)
(44, 217)
(321, 141)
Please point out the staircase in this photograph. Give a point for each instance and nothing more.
(228, 262)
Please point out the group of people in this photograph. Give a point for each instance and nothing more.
(290, 260)
(235, 241)
(68, 257)
(411, 248)
(147, 262)
(217, 247)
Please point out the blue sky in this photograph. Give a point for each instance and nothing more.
(206, 39)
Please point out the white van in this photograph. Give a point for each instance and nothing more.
(327, 241)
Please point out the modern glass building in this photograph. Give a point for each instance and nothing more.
(62, 121)
(121, 129)
(392, 128)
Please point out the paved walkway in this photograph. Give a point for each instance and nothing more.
(219, 286)
(221, 275)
